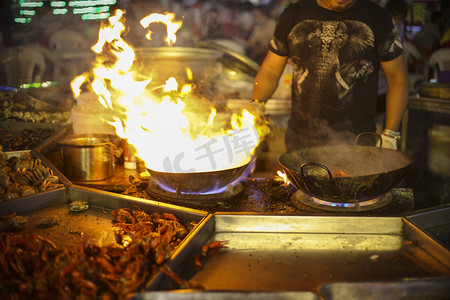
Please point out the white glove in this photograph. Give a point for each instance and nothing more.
(389, 140)
(256, 108)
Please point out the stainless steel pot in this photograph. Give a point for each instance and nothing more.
(88, 157)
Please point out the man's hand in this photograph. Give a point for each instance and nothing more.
(389, 139)
(256, 108)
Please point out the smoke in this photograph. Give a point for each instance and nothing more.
(353, 160)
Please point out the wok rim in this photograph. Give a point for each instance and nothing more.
(70, 140)
(203, 172)
(351, 189)
(408, 156)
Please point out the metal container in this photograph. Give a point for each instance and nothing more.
(435, 222)
(235, 65)
(47, 97)
(276, 254)
(93, 225)
(20, 136)
(369, 171)
(25, 175)
(165, 62)
(88, 157)
(200, 182)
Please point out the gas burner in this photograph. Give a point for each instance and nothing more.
(221, 199)
(300, 197)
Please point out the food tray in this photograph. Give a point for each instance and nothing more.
(435, 222)
(94, 222)
(26, 135)
(39, 183)
(419, 289)
(93, 225)
(50, 150)
(49, 98)
(226, 295)
(18, 125)
(302, 253)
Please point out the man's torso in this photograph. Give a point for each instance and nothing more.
(335, 57)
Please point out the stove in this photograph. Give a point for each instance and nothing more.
(268, 196)
(396, 201)
(212, 201)
(352, 206)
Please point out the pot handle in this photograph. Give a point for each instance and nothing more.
(302, 166)
(368, 132)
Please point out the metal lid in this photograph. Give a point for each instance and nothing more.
(178, 53)
(232, 59)
(87, 140)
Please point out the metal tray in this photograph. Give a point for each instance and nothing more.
(36, 155)
(50, 150)
(417, 289)
(93, 224)
(435, 222)
(302, 253)
(59, 130)
(226, 295)
(19, 126)
(15, 129)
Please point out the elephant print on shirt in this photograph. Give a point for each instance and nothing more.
(329, 58)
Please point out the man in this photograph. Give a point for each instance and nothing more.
(399, 11)
(336, 48)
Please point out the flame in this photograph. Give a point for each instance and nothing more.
(283, 177)
(170, 129)
(172, 27)
(171, 85)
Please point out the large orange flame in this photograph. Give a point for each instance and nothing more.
(171, 130)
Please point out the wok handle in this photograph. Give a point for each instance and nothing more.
(368, 132)
(302, 166)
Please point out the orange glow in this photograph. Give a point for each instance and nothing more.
(339, 173)
(170, 129)
(283, 177)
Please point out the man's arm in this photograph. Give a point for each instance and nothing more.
(397, 93)
(266, 81)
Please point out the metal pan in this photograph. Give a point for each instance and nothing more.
(345, 173)
(428, 288)
(199, 182)
(93, 225)
(267, 253)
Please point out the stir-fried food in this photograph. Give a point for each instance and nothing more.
(207, 249)
(34, 267)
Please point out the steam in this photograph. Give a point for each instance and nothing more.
(353, 160)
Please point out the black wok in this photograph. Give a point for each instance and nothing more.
(198, 182)
(345, 173)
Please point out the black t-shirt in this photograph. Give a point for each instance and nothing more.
(335, 58)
